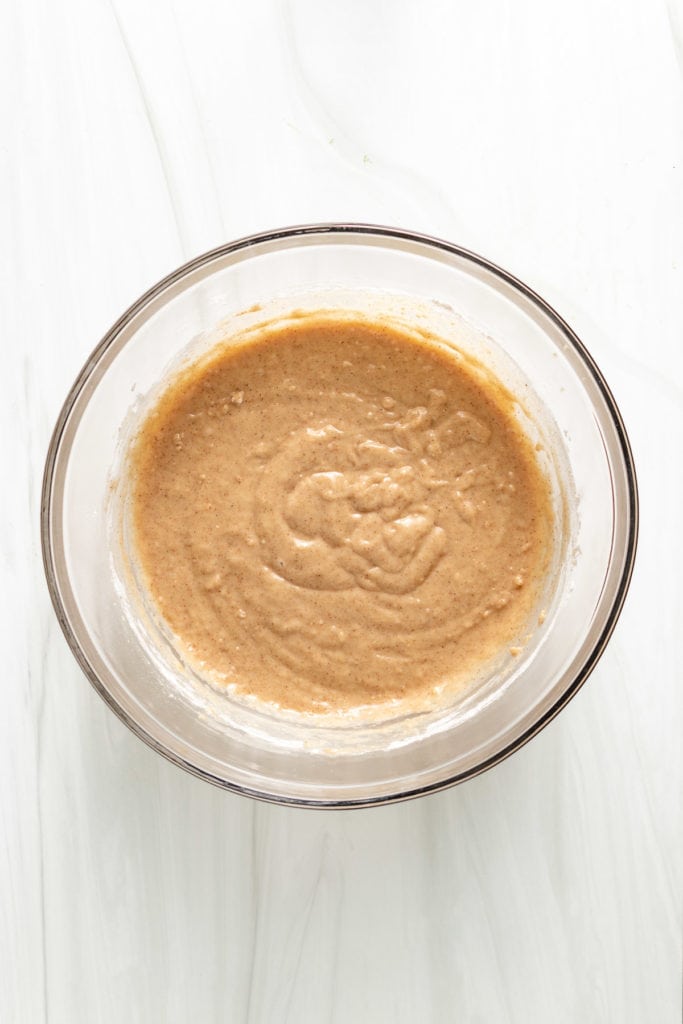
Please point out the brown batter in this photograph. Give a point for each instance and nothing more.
(335, 513)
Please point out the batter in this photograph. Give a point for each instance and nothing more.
(337, 513)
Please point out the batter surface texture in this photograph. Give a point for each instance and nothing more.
(337, 512)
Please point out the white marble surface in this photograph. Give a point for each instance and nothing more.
(137, 133)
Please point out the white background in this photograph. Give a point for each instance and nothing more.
(549, 137)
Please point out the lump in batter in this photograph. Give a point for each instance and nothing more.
(337, 513)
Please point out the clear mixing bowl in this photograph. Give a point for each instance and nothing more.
(467, 301)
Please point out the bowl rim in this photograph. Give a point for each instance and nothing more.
(340, 229)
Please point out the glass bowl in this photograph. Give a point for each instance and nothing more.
(467, 301)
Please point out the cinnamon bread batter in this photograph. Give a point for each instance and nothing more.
(338, 513)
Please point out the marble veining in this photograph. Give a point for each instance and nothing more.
(138, 135)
